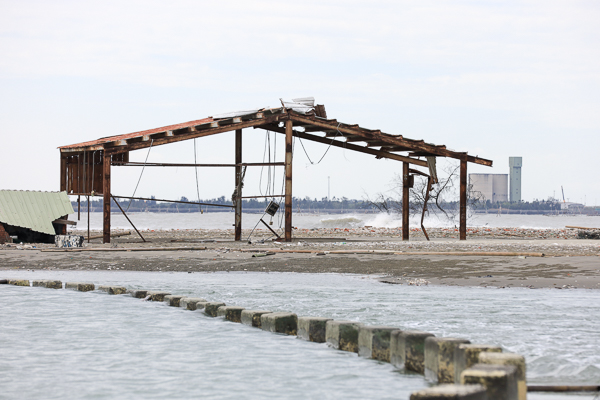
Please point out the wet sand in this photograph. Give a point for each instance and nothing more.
(567, 263)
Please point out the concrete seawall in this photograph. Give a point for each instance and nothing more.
(465, 370)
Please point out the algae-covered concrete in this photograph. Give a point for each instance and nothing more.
(47, 283)
(452, 392)
(439, 358)
(252, 317)
(80, 286)
(312, 328)
(407, 349)
(138, 294)
(157, 296)
(211, 308)
(231, 313)
(112, 289)
(500, 381)
(192, 303)
(172, 300)
(19, 282)
(280, 322)
(516, 360)
(342, 335)
(374, 342)
(467, 355)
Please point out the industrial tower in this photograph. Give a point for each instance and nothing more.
(514, 164)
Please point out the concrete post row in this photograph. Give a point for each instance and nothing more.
(516, 360)
(231, 313)
(192, 303)
(172, 300)
(407, 349)
(312, 329)
(112, 289)
(252, 317)
(80, 286)
(212, 307)
(500, 381)
(467, 355)
(439, 358)
(374, 342)
(47, 283)
(342, 335)
(452, 392)
(280, 322)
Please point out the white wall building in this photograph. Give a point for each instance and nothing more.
(493, 187)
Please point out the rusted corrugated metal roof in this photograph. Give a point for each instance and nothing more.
(33, 210)
(139, 134)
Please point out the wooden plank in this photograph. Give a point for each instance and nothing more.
(349, 146)
(392, 140)
(405, 201)
(238, 185)
(288, 180)
(463, 200)
(106, 195)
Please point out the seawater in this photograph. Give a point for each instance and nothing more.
(224, 220)
(66, 344)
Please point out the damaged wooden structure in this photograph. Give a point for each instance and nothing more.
(85, 168)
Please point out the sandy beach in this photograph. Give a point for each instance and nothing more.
(530, 258)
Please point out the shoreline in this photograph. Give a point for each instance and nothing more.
(567, 263)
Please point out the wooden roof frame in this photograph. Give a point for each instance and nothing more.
(114, 150)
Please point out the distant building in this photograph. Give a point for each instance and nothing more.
(515, 163)
(493, 187)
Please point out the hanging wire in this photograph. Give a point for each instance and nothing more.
(140, 178)
(196, 170)
(326, 151)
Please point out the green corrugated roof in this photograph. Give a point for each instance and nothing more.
(33, 210)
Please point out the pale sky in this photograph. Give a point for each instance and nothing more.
(494, 78)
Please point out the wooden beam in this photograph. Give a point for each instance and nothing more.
(405, 202)
(288, 180)
(238, 185)
(417, 145)
(349, 146)
(192, 135)
(106, 196)
(141, 164)
(463, 200)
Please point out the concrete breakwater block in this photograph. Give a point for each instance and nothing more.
(138, 294)
(407, 349)
(47, 283)
(80, 286)
(342, 335)
(19, 282)
(374, 342)
(516, 360)
(467, 355)
(252, 317)
(439, 358)
(211, 308)
(312, 329)
(500, 381)
(172, 300)
(157, 296)
(231, 313)
(451, 392)
(113, 289)
(3, 281)
(280, 322)
(65, 241)
(192, 303)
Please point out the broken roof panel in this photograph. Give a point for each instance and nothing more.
(33, 210)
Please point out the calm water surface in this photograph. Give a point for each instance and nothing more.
(66, 344)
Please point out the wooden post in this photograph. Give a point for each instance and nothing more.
(288, 181)
(106, 195)
(405, 204)
(79, 207)
(238, 181)
(463, 200)
(63, 173)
